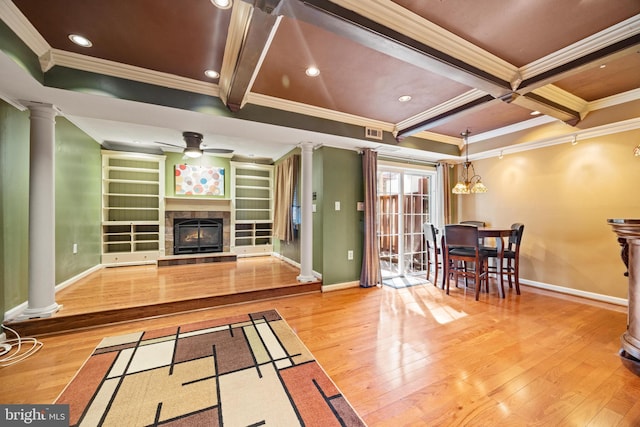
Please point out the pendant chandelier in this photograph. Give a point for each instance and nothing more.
(469, 182)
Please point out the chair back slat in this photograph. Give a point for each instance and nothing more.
(430, 233)
(517, 229)
(476, 223)
(461, 235)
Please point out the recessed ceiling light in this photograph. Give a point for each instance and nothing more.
(222, 4)
(603, 66)
(312, 71)
(405, 98)
(535, 113)
(212, 74)
(80, 40)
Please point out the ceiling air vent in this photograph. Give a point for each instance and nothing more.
(373, 133)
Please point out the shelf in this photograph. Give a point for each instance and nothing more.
(252, 213)
(132, 215)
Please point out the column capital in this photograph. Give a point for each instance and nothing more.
(42, 110)
(306, 145)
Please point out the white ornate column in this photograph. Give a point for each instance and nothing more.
(306, 223)
(42, 222)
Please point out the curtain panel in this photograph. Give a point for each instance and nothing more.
(285, 184)
(370, 274)
(445, 180)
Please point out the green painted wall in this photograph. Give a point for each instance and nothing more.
(174, 159)
(78, 200)
(77, 203)
(342, 230)
(14, 206)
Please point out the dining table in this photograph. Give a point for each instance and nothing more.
(498, 233)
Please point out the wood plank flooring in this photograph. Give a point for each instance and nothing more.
(415, 356)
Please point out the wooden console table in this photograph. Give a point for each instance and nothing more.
(628, 231)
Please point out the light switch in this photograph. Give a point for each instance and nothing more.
(313, 207)
(337, 206)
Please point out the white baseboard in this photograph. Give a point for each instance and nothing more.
(294, 263)
(15, 312)
(576, 292)
(72, 280)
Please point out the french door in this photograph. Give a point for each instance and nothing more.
(405, 202)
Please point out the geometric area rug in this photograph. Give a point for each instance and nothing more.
(246, 370)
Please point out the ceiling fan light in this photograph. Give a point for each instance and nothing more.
(192, 152)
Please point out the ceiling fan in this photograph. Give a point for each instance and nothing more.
(194, 147)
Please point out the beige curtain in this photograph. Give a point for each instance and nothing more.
(444, 172)
(370, 274)
(285, 184)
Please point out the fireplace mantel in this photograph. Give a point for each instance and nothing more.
(196, 204)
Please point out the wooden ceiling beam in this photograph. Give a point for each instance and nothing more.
(368, 33)
(257, 35)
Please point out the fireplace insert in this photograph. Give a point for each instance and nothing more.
(197, 235)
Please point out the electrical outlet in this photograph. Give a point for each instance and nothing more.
(75, 248)
(350, 255)
(337, 206)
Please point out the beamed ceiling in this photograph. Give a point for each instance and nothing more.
(478, 65)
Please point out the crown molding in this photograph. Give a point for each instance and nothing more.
(13, 102)
(446, 139)
(394, 16)
(604, 38)
(449, 105)
(115, 69)
(20, 25)
(608, 129)
(309, 110)
(611, 101)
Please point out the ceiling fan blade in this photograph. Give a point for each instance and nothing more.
(217, 150)
(169, 145)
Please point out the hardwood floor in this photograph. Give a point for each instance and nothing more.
(414, 356)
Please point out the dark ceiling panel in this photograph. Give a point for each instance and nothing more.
(494, 115)
(521, 32)
(152, 34)
(620, 75)
(353, 79)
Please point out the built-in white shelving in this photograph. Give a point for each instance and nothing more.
(132, 208)
(252, 208)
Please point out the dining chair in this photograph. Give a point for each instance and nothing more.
(476, 224)
(511, 257)
(433, 249)
(461, 246)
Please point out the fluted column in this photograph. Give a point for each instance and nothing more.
(42, 223)
(306, 223)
